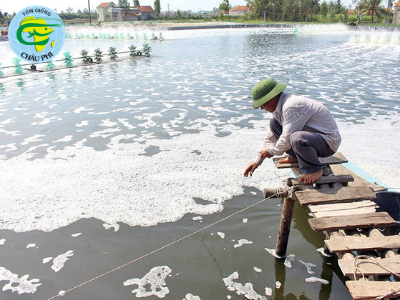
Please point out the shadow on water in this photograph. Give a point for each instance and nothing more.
(329, 264)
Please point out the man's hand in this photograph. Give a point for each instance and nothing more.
(253, 166)
(250, 169)
(266, 154)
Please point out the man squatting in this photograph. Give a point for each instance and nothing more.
(301, 127)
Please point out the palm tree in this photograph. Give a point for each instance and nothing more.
(370, 7)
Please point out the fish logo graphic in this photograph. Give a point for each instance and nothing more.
(36, 34)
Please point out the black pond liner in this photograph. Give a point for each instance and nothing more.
(390, 203)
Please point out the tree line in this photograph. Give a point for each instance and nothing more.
(313, 10)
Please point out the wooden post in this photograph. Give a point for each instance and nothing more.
(284, 228)
(275, 192)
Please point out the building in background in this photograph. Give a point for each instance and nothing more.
(239, 11)
(109, 11)
(396, 13)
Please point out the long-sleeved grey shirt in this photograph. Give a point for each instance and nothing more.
(299, 113)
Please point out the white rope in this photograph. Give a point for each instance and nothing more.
(373, 260)
(163, 247)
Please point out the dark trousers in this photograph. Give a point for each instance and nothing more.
(306, 147)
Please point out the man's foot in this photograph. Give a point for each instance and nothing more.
(287, 160)
(311, 178)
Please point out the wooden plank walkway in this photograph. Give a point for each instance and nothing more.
(373, 266)
(334, 195)
(369, 289)
(337, 158)
(357, 243)
(370, 220)
(346, 213)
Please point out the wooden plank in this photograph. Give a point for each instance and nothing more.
(328, 179)
(370, 266)
(334, 195)
(341, 206)
(337, 158)
(377, 219)
(362, 243)
(361, 290)
(358, 181)
(345, 212)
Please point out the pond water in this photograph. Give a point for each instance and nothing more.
(113, 164)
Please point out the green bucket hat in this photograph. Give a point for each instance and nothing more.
(265, 90)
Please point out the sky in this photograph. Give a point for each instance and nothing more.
(193, 5)
(173, 5)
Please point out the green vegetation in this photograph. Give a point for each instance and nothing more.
(314, 11)
(157, 8)
(365, 12)
(321, 11)
(225, 6)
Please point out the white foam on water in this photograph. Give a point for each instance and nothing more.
(35, 138)
(322, 251)
(221, 234)
(308, 266)
(126, 123)
(59, 261)
(13, 133)
(36, 147)
(191, 297)
(288, 260)
(376, 38)
(21, 285)
(47, 259)
(152, 284)
(316, 279)
(79, 182)
(104, 133)
(109, 226)
(272, 252)
(2, 241)
(246, 290)
(373, 145)
(67, 138)
(45, 120)
(242, 242)
(83, 123)
(76, 234)
(108, 123)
